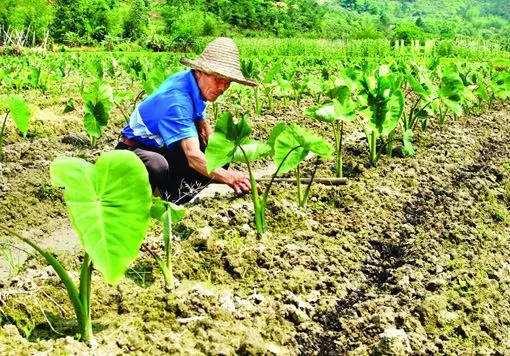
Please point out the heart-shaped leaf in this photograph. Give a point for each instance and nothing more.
(98, 103)
(219, 151)
(252, 151)
(288, 152)
(159, 209)
(109, 207)
(20, 113)
(294, 144)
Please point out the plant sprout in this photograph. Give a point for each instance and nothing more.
(168, 213)
(20, 113)
(291, 146)
(109, 207)
(98, 103)
(230, 143)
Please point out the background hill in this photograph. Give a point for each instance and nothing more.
(163, 25)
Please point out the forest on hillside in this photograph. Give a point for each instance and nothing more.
(167, 25)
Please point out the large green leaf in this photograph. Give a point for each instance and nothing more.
(109, 207)
(227, 137)
(20, 113)
(311, 142)
(324, 113)
(275, 132)
(288, 152)
(236, 132)
(219, 151)
(502, 85)
(394, 109)
(415, 85)
(294, 144)
(153, 79)
(253, 150)
(92, 126)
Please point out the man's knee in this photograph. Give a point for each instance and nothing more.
(157, 165)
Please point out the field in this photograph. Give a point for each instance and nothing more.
(411, 255)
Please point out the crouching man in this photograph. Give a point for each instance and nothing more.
(169, 132)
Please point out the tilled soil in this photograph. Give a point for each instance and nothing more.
(411, 256)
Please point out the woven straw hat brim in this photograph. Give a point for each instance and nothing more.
(212, 67)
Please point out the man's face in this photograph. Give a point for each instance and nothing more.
(211, 85)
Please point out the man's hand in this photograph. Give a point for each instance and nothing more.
(238, 181)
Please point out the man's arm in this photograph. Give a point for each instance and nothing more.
(204, 130)
(238, 181)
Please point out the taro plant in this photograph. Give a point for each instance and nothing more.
(37, 79)
(501, 85)
(341, 110)
(418, 82)
(314, 86)
(452, 94)
(385, 104)
(98, 103)
(230, 142)
(291, 145)
(250, 70)
(269, 83)
(168, 214)
(152, 79)
(284, 90)
(20, 112)
(109, 207)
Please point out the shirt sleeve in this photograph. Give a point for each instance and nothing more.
(177, 123)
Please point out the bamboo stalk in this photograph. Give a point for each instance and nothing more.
(325, 181)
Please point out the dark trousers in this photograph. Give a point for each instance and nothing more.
(170, 175)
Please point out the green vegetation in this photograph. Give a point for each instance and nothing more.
(18, 109)
(230, 143)
(168, 213)
(101, 199)
(409, 108)
(178, 25)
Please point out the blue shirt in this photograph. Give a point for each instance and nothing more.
(169, 114)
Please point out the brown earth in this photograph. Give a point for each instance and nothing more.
(411, 256)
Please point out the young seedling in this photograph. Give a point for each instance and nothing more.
(425, 92)
(501, 85)
(230, 143)
(269, 83)
(20, 113)
(168, 214)
(98, 103)
(385, 104)
(291, 146)
(250, 70)
(452, 94)
(109, 207)
(341, 110)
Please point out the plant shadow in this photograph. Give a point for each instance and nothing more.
(57, 328)
(142, 273)
(351, 170)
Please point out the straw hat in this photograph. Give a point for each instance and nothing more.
(220, 57)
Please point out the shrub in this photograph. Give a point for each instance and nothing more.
(22, 15)
(407, 31)
(88, 19)
(137, 19)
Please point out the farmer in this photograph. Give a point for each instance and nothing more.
(169, 132)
